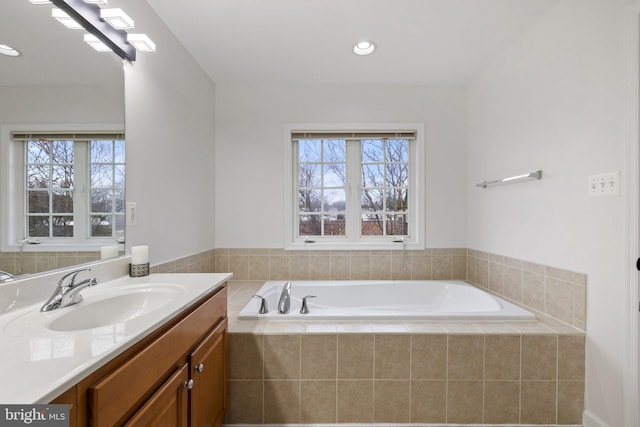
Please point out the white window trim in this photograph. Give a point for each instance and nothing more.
(416, 181)
(12, 190)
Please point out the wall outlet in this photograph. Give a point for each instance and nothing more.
(131, 214)
(604, 185)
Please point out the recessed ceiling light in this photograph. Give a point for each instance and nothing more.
(8, 50)
(364, 48)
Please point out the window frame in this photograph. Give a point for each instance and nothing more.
(417, 195)
(13, 197)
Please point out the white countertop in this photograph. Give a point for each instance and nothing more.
(37, 364)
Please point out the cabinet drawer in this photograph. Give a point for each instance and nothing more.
(115, 397)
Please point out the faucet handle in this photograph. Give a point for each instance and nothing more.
(263, 304)
(73, 275)
(304, 309)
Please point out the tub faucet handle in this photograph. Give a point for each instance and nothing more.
(264, 309)
(304, 309)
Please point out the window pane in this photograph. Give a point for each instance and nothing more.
(38, 202)
(334, 175)
(38, 152)
(38, 226)
(309, 150)
(334, 200)
(101, 176)
(120, 220)
(397, 200)
(373, 175)
(101, 225)
(372, 200)
(38, 176)
(119, 201)
(62, 176)
(62, 202)
(309, 175)
(101, 201)
(62, 226)
(101, 151)
(119, 176)
(372, 225)
(335, 150)
(397, 225)
(62, 152)
(118, 151)
(309, 200)
(309, 225)
(334, 225)
(397, 150)
(372, 150)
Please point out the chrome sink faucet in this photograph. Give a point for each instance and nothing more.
(68, 291)
(284, 303)
(6, 277)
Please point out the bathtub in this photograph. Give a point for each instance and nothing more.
(366, 300)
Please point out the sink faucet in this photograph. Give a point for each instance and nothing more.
(285, 299)
(68, 291)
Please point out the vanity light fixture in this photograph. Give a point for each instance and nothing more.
(8, 50)
(141, 42)
(116, 18)
(98, 2)
(88, 15)
(364, 48)
(96, 43)
(40, 1)
(64, 18)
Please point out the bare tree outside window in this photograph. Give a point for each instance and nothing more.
(107, 188)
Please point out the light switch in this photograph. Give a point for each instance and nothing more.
(604, 185)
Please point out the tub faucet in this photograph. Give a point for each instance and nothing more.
(68, 291)
(285, 299)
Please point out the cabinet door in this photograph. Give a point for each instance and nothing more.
(208, 364)
(168, 407)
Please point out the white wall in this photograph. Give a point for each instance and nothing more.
(170, 134)
(555, 101)
(250, 136)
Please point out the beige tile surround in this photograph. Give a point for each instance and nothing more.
(442, 373)
(37, 262)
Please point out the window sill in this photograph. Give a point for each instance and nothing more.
(351, 246)
(58, 247)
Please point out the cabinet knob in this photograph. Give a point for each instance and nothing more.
(199, 368)
(189, 384)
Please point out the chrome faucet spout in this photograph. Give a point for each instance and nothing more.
(6, 277)
(285, 299)
(68, 291)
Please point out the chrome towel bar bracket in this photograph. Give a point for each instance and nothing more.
(511, 180)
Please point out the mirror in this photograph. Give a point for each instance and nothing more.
(57, 83)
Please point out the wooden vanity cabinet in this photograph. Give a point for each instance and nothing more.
(174, 377)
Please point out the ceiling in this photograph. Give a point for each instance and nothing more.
(310, 41)
(50, 53)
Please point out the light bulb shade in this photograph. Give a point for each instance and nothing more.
(96, 43)
(141, 42)
(116, 18)
(62, 17)
(98, 2)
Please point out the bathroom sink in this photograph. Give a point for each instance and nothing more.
(101, 308)
(112, 310)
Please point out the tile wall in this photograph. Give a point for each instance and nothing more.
(406, 378)
(36, 262)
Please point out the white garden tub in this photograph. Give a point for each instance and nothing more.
(385, 300)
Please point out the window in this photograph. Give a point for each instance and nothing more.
(73, 188)
(355, 189)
